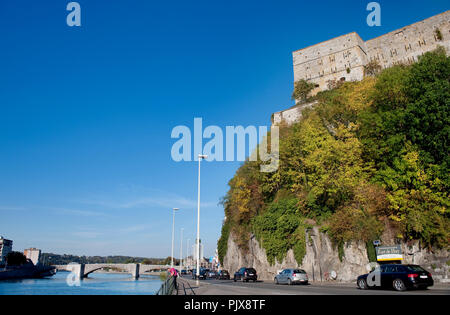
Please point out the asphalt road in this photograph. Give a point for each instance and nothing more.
(225, 287)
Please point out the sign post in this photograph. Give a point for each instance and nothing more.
(389, 253)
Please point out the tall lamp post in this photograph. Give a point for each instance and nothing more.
(200, 158)
(181, 250)
(187, 252)
(173, 235)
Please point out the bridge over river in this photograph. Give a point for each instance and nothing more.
(83, 270)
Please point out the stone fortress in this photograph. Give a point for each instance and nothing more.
(344, 58)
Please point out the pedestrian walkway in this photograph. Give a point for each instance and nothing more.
(184, 287)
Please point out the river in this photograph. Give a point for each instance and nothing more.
(96, 284)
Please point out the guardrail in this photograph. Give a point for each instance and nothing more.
(167, 287)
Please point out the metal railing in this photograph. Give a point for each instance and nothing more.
(167, 287)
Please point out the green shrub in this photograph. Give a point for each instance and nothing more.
(280, 229)
(222, 243)
(371, 253)
(302, 88)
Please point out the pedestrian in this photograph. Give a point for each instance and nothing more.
(174, 274)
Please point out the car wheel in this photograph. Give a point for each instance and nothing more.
(362, 284)
(289, 282)
(399, 285)
(234, 279)
(276, 281)
(254, 280)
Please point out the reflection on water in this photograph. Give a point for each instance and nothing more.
(97, 283)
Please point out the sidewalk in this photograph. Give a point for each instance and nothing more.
(185, 287)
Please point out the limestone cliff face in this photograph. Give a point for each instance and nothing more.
(322, 258)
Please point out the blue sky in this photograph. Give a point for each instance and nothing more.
(86, 112)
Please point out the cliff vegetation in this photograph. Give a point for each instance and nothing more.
(370, 156)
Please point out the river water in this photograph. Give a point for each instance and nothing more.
(96, 284)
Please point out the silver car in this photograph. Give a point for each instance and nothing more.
(291, 276)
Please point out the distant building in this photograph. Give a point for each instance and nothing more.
(33, 254)
(5, 248)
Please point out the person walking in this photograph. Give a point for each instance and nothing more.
(174, 274)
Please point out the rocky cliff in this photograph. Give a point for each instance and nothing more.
(322, 258)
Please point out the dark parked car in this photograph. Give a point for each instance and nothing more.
(223, 275)
(202, 276)
(212, 274)
(399, 277)
(245, 274)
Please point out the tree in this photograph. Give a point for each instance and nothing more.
(372, 68)
(301, 90)
(16, 259)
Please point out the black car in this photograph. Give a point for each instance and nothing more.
(202, 275)
(223, 275)
(212, 274)
(399, 277)
(245, 274)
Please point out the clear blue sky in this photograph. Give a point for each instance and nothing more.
(86, 113)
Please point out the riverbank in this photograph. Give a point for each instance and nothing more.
(27, 271)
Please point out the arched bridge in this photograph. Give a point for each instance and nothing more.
(83, 270)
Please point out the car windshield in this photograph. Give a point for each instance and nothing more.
(415, 268)
(251, 270)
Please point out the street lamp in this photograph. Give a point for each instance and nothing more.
(187, 252)
(200, 158)
(181, 250)
(173, 235)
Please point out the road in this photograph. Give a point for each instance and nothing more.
(225, 287)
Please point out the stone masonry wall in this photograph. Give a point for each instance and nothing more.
(343, 58)
(322, 258)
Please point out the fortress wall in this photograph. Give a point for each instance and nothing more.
(405, 45)
(330, 60)
(344, 57)
(291, 115)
